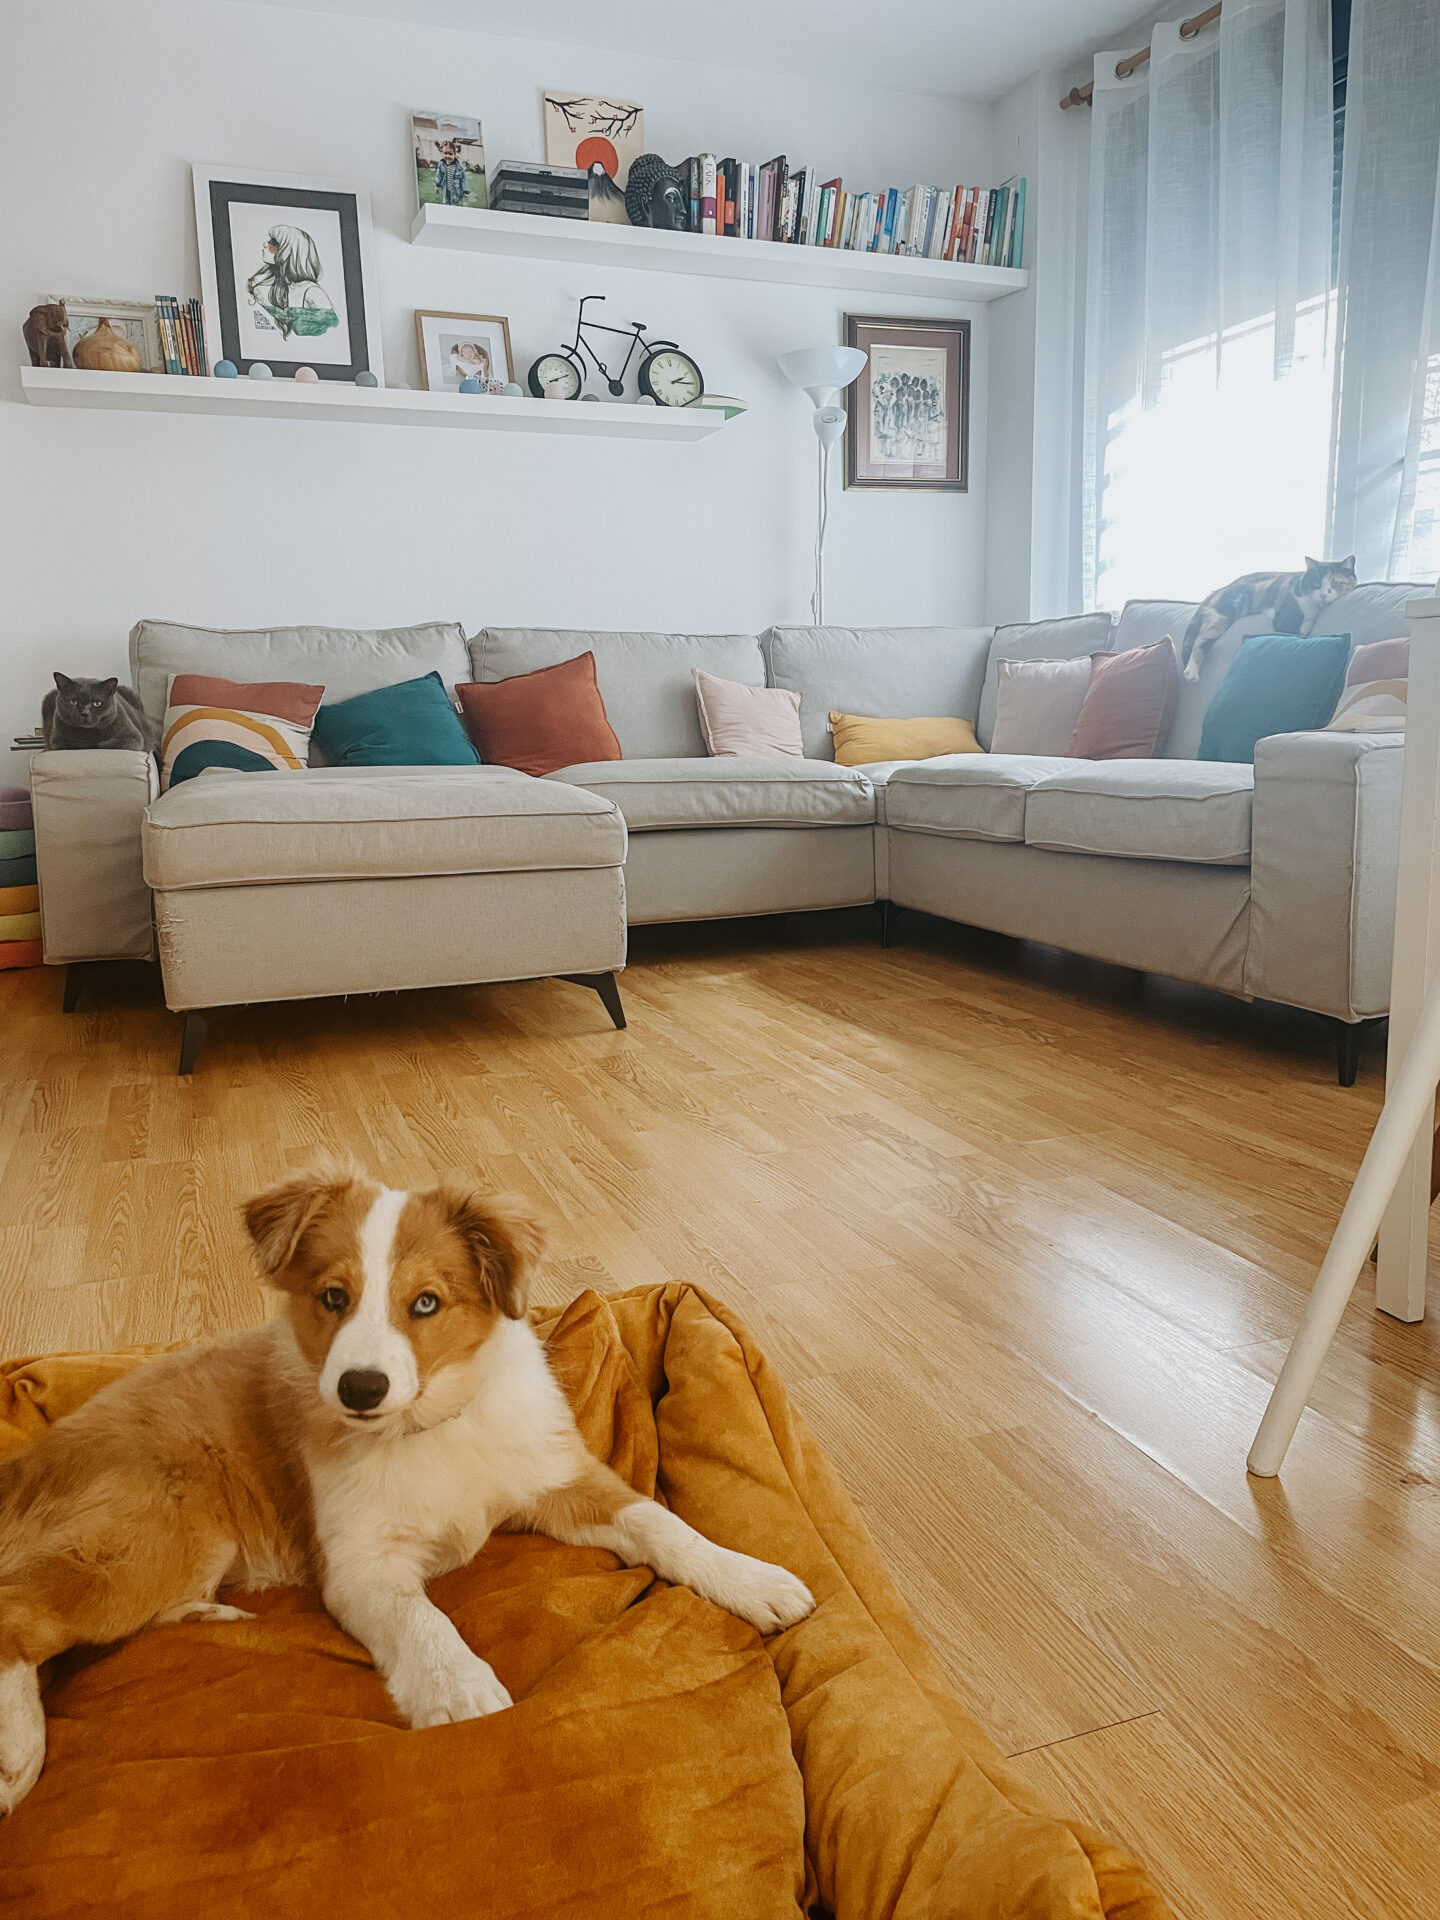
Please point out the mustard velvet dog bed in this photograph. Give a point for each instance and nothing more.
(660, 1757)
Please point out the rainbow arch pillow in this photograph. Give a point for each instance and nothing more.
(224, 723)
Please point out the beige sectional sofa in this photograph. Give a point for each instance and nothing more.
(1275, 881)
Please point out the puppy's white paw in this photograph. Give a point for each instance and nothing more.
(767, 1596)
(22, 1734)
(200, 1610)
(461, 1688)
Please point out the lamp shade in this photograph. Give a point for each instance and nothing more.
(822, 371)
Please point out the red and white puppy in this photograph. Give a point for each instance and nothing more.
(372, 1436)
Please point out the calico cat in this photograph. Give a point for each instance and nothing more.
(1291, 602)
(96, 713)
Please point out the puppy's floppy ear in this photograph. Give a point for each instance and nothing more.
(504, 1240)
(277, 1218)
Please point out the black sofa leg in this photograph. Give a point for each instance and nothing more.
(608, 988)
(76, 975)
(192, 1039)
(1347, 1050)
(888, 912)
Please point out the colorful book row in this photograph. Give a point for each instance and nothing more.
(182, 335)
(983, 226)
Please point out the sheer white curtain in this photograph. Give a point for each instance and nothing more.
(1387, 437)
(1208, 305)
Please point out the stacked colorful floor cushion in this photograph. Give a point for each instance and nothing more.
(660, 1759)
(19, 891)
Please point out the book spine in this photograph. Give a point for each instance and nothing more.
(201, 342)
(187, 349)
(777, 210)
(1018, 259)
(952, 224)
(725, 197)
(167, 348)
(707, 193)
(692, 171)
(992, 199)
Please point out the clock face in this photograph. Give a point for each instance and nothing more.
(672, 378)
(558, 373)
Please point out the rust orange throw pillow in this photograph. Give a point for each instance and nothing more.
(1129, 704)
(541, 721)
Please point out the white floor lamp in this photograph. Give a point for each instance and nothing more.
(823, 372)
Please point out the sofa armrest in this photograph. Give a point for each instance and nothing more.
(94, 903)
(1322, 871)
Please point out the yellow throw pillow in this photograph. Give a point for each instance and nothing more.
(861, 739)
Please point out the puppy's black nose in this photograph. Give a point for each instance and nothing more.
(363, 1389)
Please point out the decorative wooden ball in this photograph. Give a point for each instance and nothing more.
(307, 374)
(260, 371)
(366, 379)
(106, 351)
(226, 370)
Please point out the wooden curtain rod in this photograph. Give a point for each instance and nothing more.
(1081, 96)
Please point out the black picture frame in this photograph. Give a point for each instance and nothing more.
(216, 193)
(863, 469)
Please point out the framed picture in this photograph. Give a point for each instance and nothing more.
(133, 318)
(908, 414)
(449, 160)
(463, 346)
(599, 135)
(286, 272)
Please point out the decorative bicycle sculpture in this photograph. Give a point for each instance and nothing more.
(665, 375)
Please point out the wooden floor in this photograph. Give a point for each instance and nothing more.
(1026, 1244)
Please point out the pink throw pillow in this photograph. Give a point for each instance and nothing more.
(1129, 705)
(736, 719)
(1037, 703)
(1379, 660)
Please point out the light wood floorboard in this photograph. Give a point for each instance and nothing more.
(1026, 1242)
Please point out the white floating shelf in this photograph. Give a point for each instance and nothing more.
(530, 236)
(328, 400)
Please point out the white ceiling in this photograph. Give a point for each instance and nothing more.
(972, 49)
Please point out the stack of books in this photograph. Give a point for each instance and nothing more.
(526, 186)
(981, 225)
(182, 334)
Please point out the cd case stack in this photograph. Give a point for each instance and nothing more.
(526, 186)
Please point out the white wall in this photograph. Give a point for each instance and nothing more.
(105, 517)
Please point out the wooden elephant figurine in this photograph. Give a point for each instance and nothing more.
(45, 336)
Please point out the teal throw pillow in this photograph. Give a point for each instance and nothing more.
(1280, 683)
(409, 725)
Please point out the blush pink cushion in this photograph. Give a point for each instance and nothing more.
(1037, 703)
(1129, 705)
(1379, 660)
(736, 719)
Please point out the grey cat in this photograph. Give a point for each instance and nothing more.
(96, 713)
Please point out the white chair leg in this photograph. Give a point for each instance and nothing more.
(1409, 1105)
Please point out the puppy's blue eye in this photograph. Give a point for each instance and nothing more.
(424, 1305)
(334, 1299)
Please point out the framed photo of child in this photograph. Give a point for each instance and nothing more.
(287, 274)
(464, 346)
(449, 161)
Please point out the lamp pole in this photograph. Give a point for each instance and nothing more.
(824, 372)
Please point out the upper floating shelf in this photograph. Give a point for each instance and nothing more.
(530, 236)
(328, 400)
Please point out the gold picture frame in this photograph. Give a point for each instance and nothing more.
(454, 346)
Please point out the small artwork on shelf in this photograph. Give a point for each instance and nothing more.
(285, 268)
(134, 321)
(601, 136)
(464, 346)
(908, 412)
(449, 160)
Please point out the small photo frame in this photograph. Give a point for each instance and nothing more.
(135, 319)
(463, 346)
(908, 413)
(287, 274)
(449, 161)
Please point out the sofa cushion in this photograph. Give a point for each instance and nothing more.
(1129, 703)
(349, 823)
(1082, 634)
(737, 719)
(645, 679)
(1375, 610)
(730, 792)
(409, 725)
(1144, 622)
(1377, 690)
(538, 721)
(347, 660)
(1037, 704)
(890, 672)
(969, 796)
(1195, 811)
(863, 740)
(1281, 683)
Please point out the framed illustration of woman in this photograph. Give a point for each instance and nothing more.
(286, 272)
